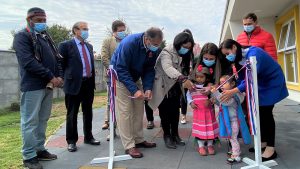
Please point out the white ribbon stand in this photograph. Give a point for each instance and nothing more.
(257, 164)
(112, 156)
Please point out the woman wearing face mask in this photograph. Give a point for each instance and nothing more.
(167, 88)
(271, 89)
(210, 58)
(186, 64)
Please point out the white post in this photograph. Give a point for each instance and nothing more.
(112, 156)
(257, 164)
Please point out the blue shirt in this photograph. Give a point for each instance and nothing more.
(133, 61)
(79, 46)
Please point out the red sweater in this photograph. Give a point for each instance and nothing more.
(259, 38)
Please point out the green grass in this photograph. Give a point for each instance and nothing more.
(10, 134)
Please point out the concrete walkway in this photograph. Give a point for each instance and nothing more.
(287, 116)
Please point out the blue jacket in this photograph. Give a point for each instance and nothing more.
(34, 75)
(133, 61)
(271, 81)
(72, 66)
(225, 125)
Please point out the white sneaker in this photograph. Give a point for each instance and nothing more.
(183, 119)
(233, 160)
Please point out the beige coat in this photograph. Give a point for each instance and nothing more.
(108, 47)
(167, 71)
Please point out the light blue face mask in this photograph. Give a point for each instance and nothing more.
(230, 57)
(40, 27)
(249, 28)
(152, 48)
(121, 35)
(183, 50)
(84, 34)
(209, 63)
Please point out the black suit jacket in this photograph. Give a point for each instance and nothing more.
(72, 66)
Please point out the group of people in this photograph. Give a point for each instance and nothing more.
(149, 78)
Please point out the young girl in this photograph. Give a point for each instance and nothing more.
(205, 126)
(231, 118)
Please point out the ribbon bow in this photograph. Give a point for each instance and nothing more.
(199, 68)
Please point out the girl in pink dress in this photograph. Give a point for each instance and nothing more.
(205, 127)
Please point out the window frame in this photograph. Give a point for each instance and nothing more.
(295, 67)
(285, 48)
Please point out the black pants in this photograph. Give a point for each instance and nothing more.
(183, 102)
(169, 115)
(85, 97)
(267, 125)
(149, 112)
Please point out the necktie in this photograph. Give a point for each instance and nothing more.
(86, 61)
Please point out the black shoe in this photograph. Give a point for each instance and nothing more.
(169, 142)
(32, 163)
(92, 142)
(178, 141)
(273, 156)
(72, 147)
(150, 125)
(45, 156)
(252, 150)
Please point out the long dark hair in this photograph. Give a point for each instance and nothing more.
(228, 44)
(183, 38)
(212, 49)
(179, 40)
(226, 65)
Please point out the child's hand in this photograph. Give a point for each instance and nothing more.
(205, 91)
(213, 89)
(213, 100)
(207, 103)
(193, 106)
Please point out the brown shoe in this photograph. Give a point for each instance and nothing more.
(105, 125)
(145, 144)
(134, 152)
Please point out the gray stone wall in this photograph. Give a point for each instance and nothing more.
(10, 79)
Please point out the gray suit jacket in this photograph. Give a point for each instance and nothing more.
(167, 71)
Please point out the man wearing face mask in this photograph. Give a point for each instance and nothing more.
(254, 35)
(79, 86)
(38, 66)
(133, 60)
(108, 47)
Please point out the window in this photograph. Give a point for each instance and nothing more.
(290, 66)
(291, 42)
(287, 45)
(283, 37)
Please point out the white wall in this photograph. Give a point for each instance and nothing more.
(236, 28)
(266, 23)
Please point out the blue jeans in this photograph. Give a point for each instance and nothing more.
(35, 112)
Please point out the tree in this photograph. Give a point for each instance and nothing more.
(58, 33)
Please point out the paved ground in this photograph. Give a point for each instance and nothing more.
(287, 116)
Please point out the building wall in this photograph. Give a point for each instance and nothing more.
(10, 79)
(292, 13)
(288, 13)
(267, 23)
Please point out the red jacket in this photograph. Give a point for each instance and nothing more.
(259, 38)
